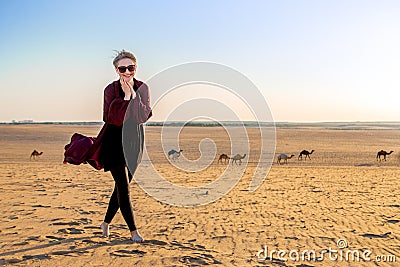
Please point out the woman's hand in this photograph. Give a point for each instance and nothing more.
(127, 87)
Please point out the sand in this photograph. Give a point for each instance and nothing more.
(51, 212)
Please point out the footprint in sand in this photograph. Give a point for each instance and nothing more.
(10, 261)
(40, 190)
(40, 206)
(385, 235)
(21, 243)
(55, 237)
(63, 252)
(127, 253)
(91, 227)
(155, 242)
(36, 257)
(89, 241)
(199, 259)
(34, 238)
(66, 223)
(71, 231)
(85, 220)
(83, 212)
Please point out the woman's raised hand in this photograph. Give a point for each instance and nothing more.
(127, 87)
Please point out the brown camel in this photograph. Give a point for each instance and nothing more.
(284, 157)
(224, 157)
(35, 154)
(239, 158)
(306, 154)
(384, 154)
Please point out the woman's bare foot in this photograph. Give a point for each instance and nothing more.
(106, 229)
(136, 237)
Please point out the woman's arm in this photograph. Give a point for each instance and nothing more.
(109, 95)
(141, 109)
(114, 106)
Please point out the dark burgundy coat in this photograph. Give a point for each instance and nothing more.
(83, 149)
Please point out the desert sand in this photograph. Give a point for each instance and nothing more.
(51, 212)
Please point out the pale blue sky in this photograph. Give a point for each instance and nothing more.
(312, 60)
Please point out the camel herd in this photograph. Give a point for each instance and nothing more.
(234, 159)
(282, 158)
(305, 153)
(174, 155)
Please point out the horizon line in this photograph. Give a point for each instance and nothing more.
(199, 121)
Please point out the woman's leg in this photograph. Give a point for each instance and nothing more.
(122, 188)
(113, 205)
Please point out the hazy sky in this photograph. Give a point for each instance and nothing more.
(312, 60)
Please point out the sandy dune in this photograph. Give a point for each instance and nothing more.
(51, 212)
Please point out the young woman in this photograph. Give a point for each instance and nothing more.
(126, 104)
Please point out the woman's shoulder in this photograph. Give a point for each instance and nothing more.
(138, 82)
(111, 88)
(141, 85)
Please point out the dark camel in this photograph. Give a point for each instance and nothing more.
(306, 154)
(384, 154)
(224, 157)
(35, 154)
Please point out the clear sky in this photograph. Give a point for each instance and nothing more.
(312, 60)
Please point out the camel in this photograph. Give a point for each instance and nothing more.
(284, 157)
(35, 154)
(172, 151)
(384, 154)
(239, 158)
(306, 154)
(224, 157)
(175, 154)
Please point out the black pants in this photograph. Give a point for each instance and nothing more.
(120, 197)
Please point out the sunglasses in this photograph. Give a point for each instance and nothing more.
(122, 69)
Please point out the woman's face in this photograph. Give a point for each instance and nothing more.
(126, 69)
